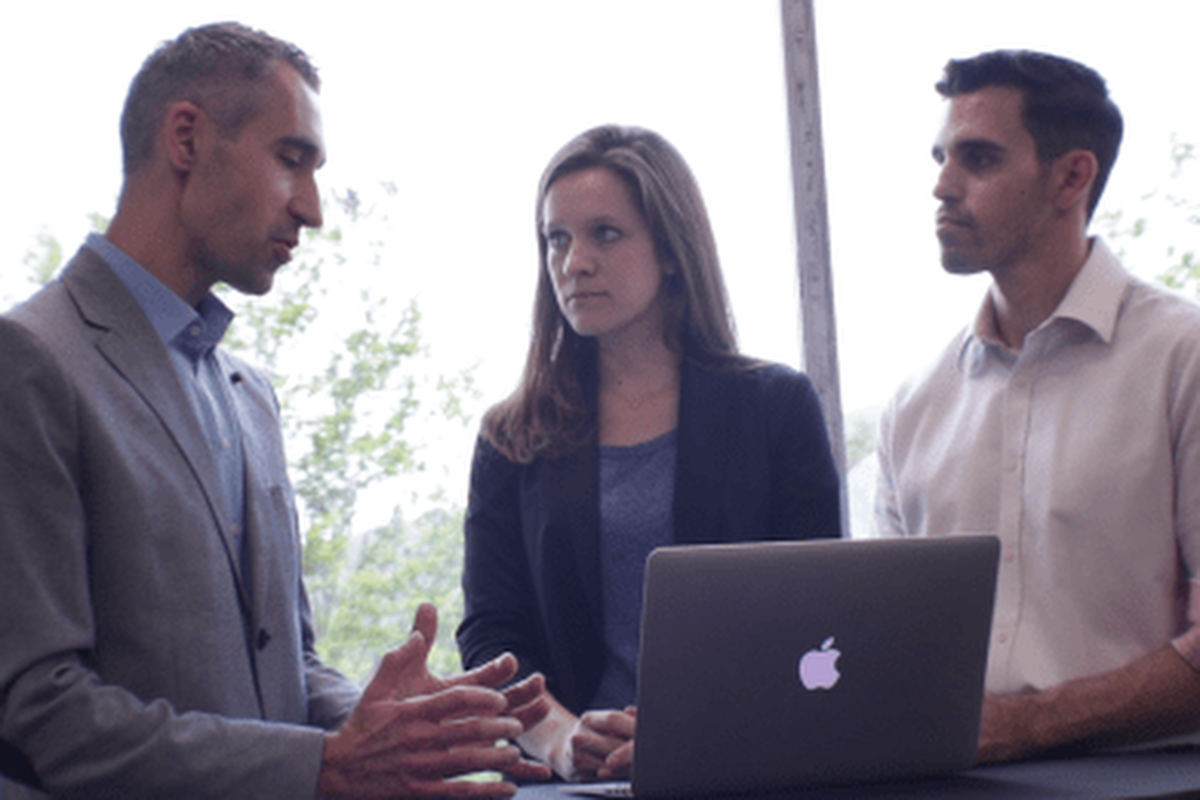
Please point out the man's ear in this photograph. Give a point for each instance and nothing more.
(181, 135)
(1074, 171)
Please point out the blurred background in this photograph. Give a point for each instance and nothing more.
(408, 315)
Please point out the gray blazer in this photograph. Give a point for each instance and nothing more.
(136, 658)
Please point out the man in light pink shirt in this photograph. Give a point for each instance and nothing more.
(1065, 420)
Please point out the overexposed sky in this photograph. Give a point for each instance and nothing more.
(460, 104)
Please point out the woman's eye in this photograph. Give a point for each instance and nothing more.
(607, 233)
(556, 240)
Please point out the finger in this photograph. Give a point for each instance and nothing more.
(406, 784)
(618, 764)
(425, 621)
(528, 701)
(611, 724)
(526, 691)
(393, 666)
(586, 742)
(531, 713)
(409, 755)
(467, 733)
(472, 789)
(526, 770)
(493, 674)
(461, 716)
(592, 751)
(458, 702)
(462, 760)
(585, 763)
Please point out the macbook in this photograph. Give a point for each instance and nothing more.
(781, 665)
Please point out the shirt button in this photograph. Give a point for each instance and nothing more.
(1002, 638)
(237, 530)
(195, 330)
(1009, 556)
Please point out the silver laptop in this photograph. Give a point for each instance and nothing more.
(783, 665)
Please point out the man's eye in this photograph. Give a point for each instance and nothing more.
(980, 161)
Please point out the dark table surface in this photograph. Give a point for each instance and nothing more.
(1173, 773)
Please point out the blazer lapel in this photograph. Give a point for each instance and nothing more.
(563, 513)
(124, 336)
(272, 538)
(579, 477)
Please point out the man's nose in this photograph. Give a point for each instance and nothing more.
(948, 185)
(306, 203)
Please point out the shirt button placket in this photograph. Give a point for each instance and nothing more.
(1014, 434)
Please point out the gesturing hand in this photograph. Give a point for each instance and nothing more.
(412, 731)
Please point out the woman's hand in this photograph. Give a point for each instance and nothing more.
(603, 743)
(596, 746)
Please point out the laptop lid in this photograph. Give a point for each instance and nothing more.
(776, 665)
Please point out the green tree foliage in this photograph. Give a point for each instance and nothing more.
(45, 259)
(398, 566)
(352, 378)
(1159, 230)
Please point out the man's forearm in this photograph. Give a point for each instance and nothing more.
(1154, 697)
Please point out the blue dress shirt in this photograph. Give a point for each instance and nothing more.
(191, 336)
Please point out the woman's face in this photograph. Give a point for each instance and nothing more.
(601, 256)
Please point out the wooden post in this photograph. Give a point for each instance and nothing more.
(818, 328)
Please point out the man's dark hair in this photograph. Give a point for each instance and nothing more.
(1065, 105)
(219, 67)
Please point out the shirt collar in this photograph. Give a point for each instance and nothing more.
(192, 331)
(1093, 300)
(1096, 294)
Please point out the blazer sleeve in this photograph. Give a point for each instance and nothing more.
(82, 736)
(805, 491)
(331, 695)
(500, 606)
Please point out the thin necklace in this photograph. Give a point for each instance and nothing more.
(637, 403)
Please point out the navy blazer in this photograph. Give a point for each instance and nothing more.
(753, 463)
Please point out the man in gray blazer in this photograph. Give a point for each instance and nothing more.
(155, 638)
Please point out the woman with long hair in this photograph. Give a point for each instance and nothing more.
(636, 424)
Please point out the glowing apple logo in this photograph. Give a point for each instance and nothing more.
(818, 668)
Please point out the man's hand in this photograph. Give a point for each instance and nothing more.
(412, 731)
